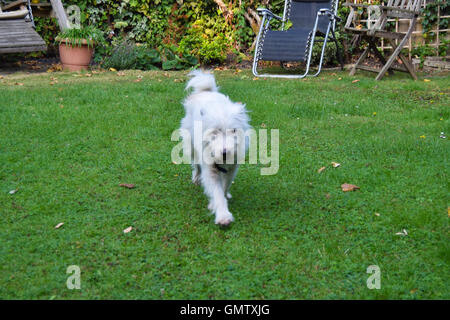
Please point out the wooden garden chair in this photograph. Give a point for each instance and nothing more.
(405, 9)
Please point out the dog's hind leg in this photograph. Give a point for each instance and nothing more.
(228, 180)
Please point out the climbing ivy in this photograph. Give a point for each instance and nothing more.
(430, 15)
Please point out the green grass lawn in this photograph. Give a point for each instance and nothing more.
(67, 141)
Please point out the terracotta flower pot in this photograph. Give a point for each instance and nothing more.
(75, 58)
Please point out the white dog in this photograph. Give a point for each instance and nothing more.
(214, 129)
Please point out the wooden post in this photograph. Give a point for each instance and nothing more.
(60, 14)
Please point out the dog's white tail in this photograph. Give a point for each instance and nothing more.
(201, 81)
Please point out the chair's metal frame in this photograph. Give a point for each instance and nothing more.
(267, 15)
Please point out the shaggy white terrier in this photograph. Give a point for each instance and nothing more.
(214, 136)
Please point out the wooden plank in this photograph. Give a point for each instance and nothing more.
(22, 44)
(13, 4)
(21, 40)
(10, 41)
(63, 22)
(367, 68)
(19, 36)
(23, 49)
(389, 35)
(16, 14)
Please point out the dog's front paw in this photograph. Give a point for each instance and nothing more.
(224, 220)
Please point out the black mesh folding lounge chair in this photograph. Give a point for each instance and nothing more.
(312, 20)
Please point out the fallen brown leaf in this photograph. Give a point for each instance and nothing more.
(127, 185)
(18, 84)
(349, 187)
(321, 169)
(355, 81)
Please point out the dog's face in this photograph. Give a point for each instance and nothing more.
(224, 134)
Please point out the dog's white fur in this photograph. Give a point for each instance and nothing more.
(220, 119)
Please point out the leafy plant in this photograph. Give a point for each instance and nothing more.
(77, 36)
(430, 15)
(130, 55)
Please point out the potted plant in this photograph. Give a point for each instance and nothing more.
(76, 47)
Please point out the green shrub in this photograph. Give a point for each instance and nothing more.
(128, 55)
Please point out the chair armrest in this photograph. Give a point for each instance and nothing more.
(384, 8)
(330, 14)
(267, 12)
(355, 5)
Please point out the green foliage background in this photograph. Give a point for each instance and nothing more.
(186, 32)
(197, 28)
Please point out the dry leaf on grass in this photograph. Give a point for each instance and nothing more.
(13, 191)
(113, 69)
(426, 80)
(377, 214)
(321, 169)
(335, 164)
(355, 81)
(59, 225)
(127, 229)
(127, 185)
(18, 84)
(349, 187)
